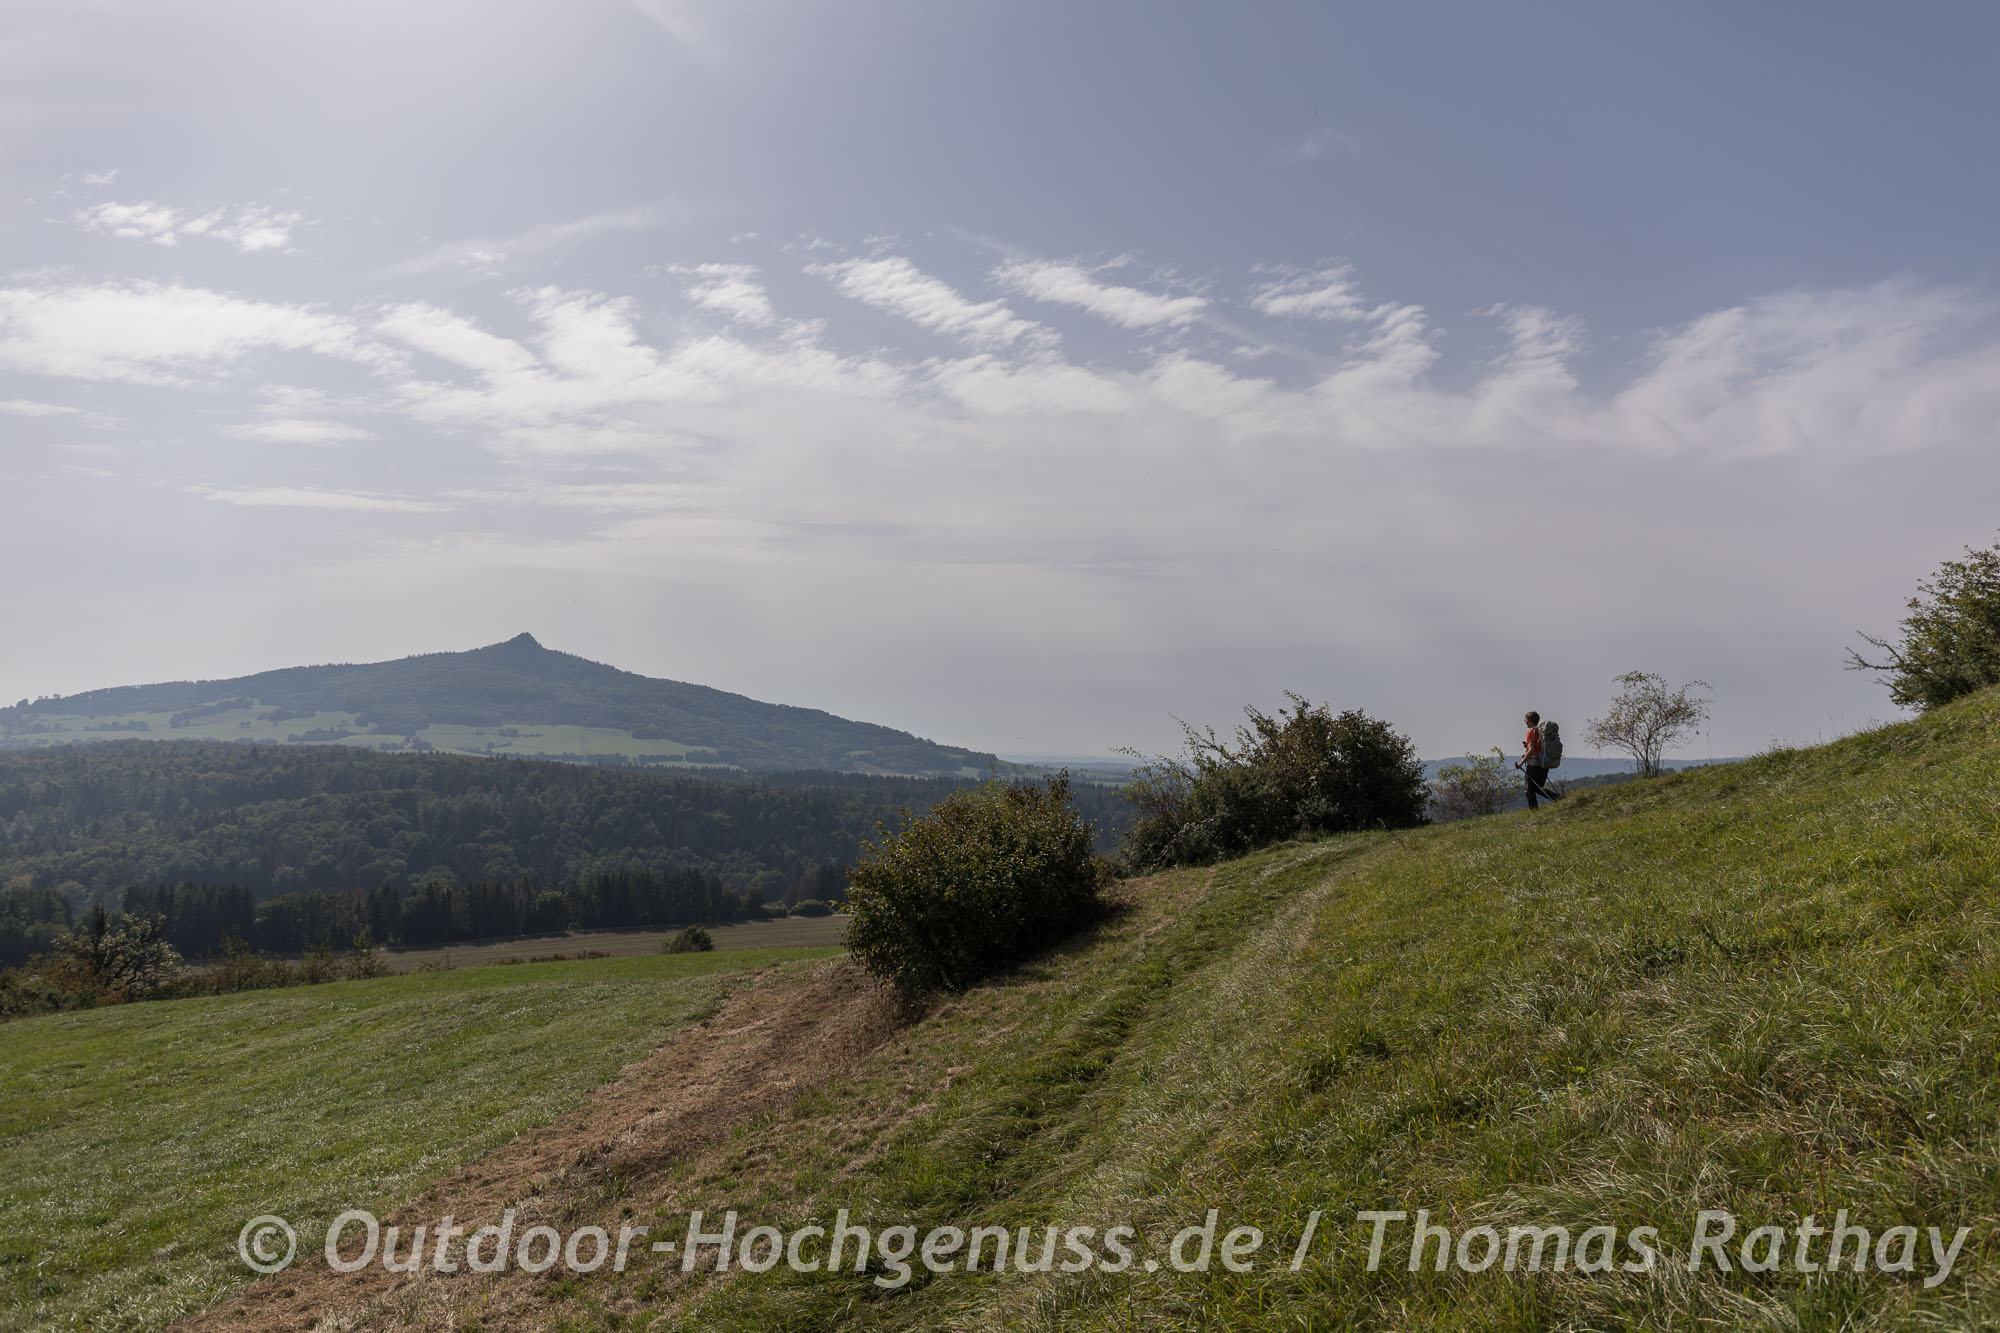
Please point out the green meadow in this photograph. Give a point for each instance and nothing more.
(136, 1140)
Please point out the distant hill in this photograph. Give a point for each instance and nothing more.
(1576, 767)
(512, 698)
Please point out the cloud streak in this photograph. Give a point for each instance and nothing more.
(1071, 284)
(489, 255)
(900, 287)
(299, 497)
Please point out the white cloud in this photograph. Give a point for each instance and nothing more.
(452, 337)
(152, 333)
(1071, 284)
(249, 228)
(299, 497)
(133, 222)
(731, 290)
(302, 430)
(1326, 294)
(26, 407)
(586, 382)
(897, 285)
(488, 255)
(108, 176)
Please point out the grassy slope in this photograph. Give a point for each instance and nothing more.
(134, 1141)
(1772, 987)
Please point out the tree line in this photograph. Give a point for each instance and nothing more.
(91, 821)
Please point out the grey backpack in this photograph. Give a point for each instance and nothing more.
(1552, 744)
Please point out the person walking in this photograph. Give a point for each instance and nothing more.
(1532, 762)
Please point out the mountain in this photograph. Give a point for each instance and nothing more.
(512, 698)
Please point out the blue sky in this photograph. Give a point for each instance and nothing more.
(1026, 375)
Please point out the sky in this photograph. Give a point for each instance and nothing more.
(1031, 376)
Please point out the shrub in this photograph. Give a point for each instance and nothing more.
(984, 880)
(1305, 772)
(242, 968)
(810, 907)
(691, 939)
(1482, 785)
(363, 960)
(320, 965)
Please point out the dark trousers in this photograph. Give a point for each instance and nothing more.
(1538, 785)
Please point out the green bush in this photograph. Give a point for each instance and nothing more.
(1305, 772)
(810, 907)
(691, 939)
(984, 880)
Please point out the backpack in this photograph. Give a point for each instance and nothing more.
(1552, 744)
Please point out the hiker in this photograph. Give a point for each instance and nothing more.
(1535, 760)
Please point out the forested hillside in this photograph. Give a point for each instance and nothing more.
(85, 823)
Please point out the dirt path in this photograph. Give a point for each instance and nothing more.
(780, 1032)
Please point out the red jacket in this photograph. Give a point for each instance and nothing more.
(1533, 748)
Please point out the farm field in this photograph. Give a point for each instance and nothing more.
(793, 932)
(526, 739)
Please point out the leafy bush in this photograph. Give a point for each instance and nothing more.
(1951, 638)
(984, 880)
(1305, 772)
(810, 907)
(691, 939)
(243, 968)
(1482, 785)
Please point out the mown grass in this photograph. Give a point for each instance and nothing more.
(790, 932)
(1771, 987)
(136, 1140)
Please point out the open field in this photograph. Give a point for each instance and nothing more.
(793, 932)
(136, 1140)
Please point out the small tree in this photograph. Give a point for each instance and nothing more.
(131, 956)
(1951, 639)
(1646, 718)
(1482, 785)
